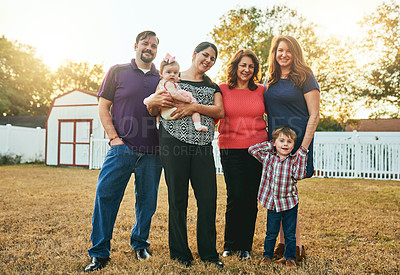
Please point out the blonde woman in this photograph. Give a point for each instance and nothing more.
(292, 98)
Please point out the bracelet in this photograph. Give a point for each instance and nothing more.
(111, 139)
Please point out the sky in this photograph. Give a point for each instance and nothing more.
(104, 32)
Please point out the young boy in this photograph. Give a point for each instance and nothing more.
(278, 191)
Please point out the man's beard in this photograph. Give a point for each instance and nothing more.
(147, 60)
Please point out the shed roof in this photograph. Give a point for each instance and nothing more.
(375, 125)
(77, 90)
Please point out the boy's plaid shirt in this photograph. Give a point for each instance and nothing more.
(278, 190)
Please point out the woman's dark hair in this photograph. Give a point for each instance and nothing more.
(232, 69)
(204, 45)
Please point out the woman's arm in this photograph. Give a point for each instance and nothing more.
(300, 164)
(312, 100)
(214, 111)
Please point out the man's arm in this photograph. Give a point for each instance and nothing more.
(157, 101)
(106, 121)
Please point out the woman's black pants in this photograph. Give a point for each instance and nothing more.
(242, 174)
(183, 162)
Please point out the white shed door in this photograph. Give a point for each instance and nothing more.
(74, 142)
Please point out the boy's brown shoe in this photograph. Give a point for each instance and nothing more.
(265, 261)
(302, 255)
(279, 251)
(291, 264)
(281, 261)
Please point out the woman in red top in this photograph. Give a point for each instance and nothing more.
(243, 126)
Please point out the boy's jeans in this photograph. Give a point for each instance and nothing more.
(289, 219)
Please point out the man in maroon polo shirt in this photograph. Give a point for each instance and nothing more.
(134, 149)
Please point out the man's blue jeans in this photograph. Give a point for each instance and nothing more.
(114, 176)
(289, 219)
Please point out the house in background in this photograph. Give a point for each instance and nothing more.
(73, 117)
(375, 125)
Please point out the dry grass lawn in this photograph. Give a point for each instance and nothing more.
(348, 227)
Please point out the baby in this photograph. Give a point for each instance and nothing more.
(169, 73)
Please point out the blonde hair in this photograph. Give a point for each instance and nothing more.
(299, 72)
(285, 130)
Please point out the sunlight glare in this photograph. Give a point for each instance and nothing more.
(53, 48)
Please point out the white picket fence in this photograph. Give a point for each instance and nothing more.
(99, 149)
(28, 143)
(368, 155)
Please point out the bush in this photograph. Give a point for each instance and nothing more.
(10, 159)
(327, 124)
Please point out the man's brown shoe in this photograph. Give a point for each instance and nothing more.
(265, 261)
(279, 251)
(281, 261)
(302, 255)
(291, 264)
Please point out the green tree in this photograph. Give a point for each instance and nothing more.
(71, 75)
(331, 60)
(25, 81)
(338, 76)
(254, 29)
(382, 49)
(328, 123)
(233, 34)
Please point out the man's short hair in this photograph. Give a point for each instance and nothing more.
(286, 130)
(144, 35)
